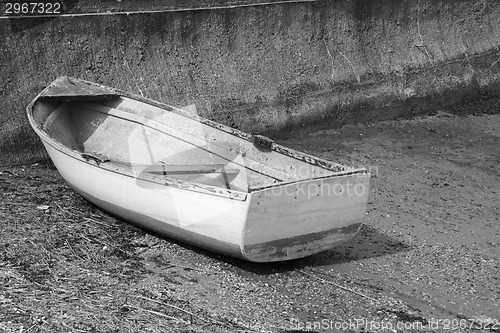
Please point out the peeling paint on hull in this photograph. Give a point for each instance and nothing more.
(300, 246)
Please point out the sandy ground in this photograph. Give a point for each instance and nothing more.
(427, 258)
(432, 232)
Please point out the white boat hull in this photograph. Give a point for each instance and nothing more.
(195, 180)
(200, 219)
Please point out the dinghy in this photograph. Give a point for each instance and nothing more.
(170, 171)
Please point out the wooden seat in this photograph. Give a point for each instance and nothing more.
(190, 169)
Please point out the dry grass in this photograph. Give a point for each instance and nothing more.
(65, 266)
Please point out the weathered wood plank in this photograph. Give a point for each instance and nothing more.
(192, 168)
(66, 88)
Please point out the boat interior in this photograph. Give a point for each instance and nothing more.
(154, 143)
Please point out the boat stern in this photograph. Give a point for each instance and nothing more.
(296, 220)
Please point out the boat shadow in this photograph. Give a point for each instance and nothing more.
(368, 243)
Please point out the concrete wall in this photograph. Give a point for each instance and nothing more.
(264, 69)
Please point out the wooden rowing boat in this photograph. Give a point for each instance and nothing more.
(186, 177)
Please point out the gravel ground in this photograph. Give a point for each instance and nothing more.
(427, 258)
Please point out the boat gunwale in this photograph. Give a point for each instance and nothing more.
(165, 181)
(214, 190)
